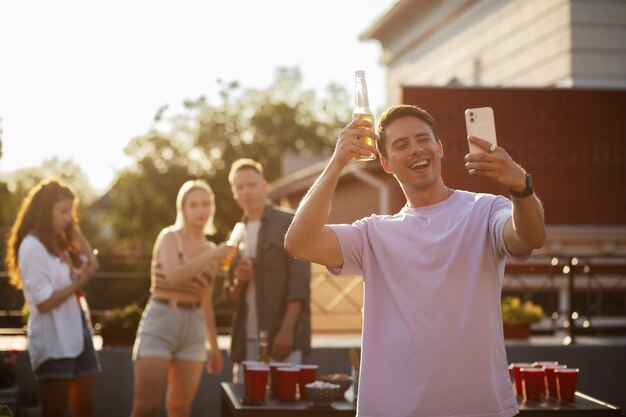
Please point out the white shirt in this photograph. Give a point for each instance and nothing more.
(249, 250)
(59, 332)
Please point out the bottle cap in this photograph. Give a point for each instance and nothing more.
(359, 73)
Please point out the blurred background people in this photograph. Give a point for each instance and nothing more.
(270, 288)
(50, 259)
(178, 322)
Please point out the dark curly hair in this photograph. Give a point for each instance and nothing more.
(35, 217)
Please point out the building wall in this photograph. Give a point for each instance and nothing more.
(571, 140)
(521, 43)
(599, 43)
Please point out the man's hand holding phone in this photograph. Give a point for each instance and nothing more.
(486, 157)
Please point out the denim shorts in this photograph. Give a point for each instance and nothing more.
(87, 363)
(171, 333)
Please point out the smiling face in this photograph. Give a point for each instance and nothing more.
(62, 215)
(197, 208)
(413, 154)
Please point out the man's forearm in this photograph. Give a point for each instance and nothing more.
(528, 221)
(291, 315)
(312, 212)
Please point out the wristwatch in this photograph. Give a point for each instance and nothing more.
(526, 191)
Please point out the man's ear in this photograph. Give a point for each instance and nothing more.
(384, 164)
(440, 148)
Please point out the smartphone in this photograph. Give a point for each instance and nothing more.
(480, 123)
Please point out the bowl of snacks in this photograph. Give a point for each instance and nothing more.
(343, 380)
(322, 393)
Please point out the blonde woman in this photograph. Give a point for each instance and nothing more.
(178, 322)
(50, 259)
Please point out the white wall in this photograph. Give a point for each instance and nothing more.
(514, 43)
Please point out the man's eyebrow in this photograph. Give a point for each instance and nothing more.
(419, 135)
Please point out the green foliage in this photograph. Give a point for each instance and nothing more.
(122, 318)
(203, 140)
(516, 312)
(199, 141)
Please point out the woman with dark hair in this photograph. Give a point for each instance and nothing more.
(51, 261)
(178, 324)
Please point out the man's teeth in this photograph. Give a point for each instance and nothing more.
(419, 164)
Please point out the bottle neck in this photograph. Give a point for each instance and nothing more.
(361, 100)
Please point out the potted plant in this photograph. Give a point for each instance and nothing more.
(517, 317)
(8, 380)
(119, 326)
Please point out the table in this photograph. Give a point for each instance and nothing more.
(583, 406)
(231, 406)
(231, 394)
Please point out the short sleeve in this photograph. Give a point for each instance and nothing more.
(501, 212)
(350, 237)
(34, 270)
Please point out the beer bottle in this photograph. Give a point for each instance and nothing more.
(263, 347)
(362, 110)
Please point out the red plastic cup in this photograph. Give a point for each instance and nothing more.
(544, 365)
(286, 382)
(517, 377)
(566, 383)
(533, 383)
(273, 367)
(256, 383)
(308, 374)
(551, 379)
(244, 366)
(541, 364)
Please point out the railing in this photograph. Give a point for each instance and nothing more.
(579, 295)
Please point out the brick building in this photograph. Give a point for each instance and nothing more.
(571, 140)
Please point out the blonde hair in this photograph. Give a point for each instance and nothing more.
(185, 189)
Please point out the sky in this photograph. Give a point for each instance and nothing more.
(80, 79)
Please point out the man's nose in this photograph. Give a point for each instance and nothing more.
(416, 147)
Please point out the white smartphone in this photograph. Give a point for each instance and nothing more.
(480, 123)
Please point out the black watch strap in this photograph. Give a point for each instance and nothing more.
(526, 191)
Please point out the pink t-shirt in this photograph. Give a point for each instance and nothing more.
(432, 325)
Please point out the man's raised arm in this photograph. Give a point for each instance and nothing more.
(308, 238)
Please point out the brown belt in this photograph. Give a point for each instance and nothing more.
(186, 305)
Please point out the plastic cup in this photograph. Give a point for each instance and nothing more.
(308, 374)
(244, 365)
(533, 383)
(566, 383)
(274, 377)
(551, 379)
(256, 383)
(544, 365)
(286, 382)
(517, 377)
(541, 364)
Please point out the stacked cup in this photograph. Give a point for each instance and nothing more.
(286, 382)
(308, 374)
(255, 377)
(566, 383)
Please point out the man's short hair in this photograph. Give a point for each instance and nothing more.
(395, 113)
(244, 163)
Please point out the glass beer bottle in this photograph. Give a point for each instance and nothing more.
(234, 239)
(362, 111)
(264, 354)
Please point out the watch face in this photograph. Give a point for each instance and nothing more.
(529, 181)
